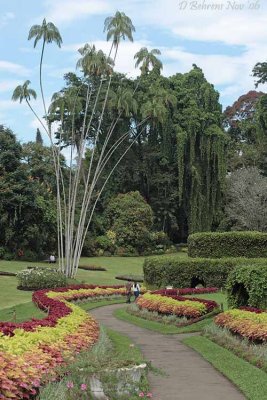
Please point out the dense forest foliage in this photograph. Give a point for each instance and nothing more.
(176, 178)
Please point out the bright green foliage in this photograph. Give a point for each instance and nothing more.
(27, 208)
(247, 286)
(131, 218)
(175, 132)
(41, 278)
(173, 270)
(228, 244)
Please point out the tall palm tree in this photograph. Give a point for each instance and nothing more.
(118, 27)
(158, 105)
(122, 101)
(23, 92)
(94, 62)
(49, 33)
(148, 60)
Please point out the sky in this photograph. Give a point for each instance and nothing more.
(224, 38)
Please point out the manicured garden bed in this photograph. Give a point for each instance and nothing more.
(180, 306)
(248, 322)
(31, 350)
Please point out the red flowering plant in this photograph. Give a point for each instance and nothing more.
(31, 351)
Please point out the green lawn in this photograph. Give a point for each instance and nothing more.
(250, 380)
(158, 326)
(219, 297)
(10, 296)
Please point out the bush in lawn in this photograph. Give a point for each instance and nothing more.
(183, 273)
(228, 244)
(131, 219)
(40, 278)
(247, 286)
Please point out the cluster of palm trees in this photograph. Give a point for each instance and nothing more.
(93, 64)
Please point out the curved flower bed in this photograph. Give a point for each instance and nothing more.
(248, 322)
(30, 351)
(177, 305)
(186, 291)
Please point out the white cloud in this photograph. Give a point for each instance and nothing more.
(68, 10)
(13, 68)
(6, 17)
(8, 85)
(9, 105)
(227, 26)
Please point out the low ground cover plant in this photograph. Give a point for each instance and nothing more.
(176, 305)
(92, 268)
(256, 354)
(31, 351)
(186, 291)
(249, 323)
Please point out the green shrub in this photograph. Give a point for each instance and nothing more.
(247, 286)
(2, 251)
(127, 251)
(130, 219)
(40, 278)
(30, 255)
(172, 270)
(104, 243)
(228, 244)
(8, 256)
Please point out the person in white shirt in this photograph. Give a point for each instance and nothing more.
(136, 289)
(52, 259)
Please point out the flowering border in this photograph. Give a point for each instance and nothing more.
(30, 351)
(247, 322)
(177, 305)
(186, 291)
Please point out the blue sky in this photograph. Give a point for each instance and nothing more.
(224, 38)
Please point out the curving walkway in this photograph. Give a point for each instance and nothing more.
(189, 376)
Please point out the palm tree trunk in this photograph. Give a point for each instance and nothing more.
(40, 77)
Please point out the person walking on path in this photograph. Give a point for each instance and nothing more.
(128, 292)
(136, 289)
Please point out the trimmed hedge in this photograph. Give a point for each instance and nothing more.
(227, 244)
(184, 273)
(247, 286)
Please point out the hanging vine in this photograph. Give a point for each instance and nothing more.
(201, 151)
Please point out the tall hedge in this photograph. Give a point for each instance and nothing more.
(228, 244)
(161, 271)
(247, 286)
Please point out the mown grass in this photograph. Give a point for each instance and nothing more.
(26, 311)
(124, 347)
(219, 297)
(249, 379)
(21, 312)
(10, 296)
(123, 315)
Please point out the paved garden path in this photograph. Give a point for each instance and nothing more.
(189, 376)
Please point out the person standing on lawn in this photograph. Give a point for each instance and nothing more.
(128, 292)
